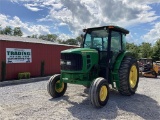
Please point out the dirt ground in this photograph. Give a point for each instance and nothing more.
(32, 102)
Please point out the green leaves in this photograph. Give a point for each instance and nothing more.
(69, 42)
(156, 51)
(49, 37)
(134, 49)
(17, 31)
(77, 41)
(9, 31)
(145, 50)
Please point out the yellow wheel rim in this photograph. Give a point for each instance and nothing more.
(133, 76)
(103, 93)
(59, 88)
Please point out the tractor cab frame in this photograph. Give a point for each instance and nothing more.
(110, 42)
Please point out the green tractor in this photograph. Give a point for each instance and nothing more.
(101, 60)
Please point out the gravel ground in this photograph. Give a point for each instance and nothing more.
(32, 102)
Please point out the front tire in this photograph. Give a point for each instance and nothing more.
(54, 88)
(99, 92)
(128, 76)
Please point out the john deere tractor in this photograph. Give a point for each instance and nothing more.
(101, 61)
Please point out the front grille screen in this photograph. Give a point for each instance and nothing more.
(71, 61)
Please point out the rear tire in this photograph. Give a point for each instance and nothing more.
(99, 92)
(128, 76)
(53, 86)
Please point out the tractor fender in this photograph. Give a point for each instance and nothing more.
(115, 70)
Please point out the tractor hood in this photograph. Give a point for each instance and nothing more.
(79, 59)
(79, 50)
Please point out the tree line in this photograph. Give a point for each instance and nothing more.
(9, 31)
(144, 50)
(55, 38)
(49, 37)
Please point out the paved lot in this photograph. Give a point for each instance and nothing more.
(31, 101)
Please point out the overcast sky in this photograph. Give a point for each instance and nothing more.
(67, 18)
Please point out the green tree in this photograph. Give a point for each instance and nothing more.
(33, 36)
(8, 30)
(70, 42)
(156, 51)
(134, 49)
(59, 41)
(43, 37)
(52, 37)
(17, 31)
(49, 37)
(146, 50)
(1, 31)
(79, 39)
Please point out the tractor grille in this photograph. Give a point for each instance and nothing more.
(75, 61)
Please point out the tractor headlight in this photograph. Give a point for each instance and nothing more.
(68, 62)
(62, 62)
